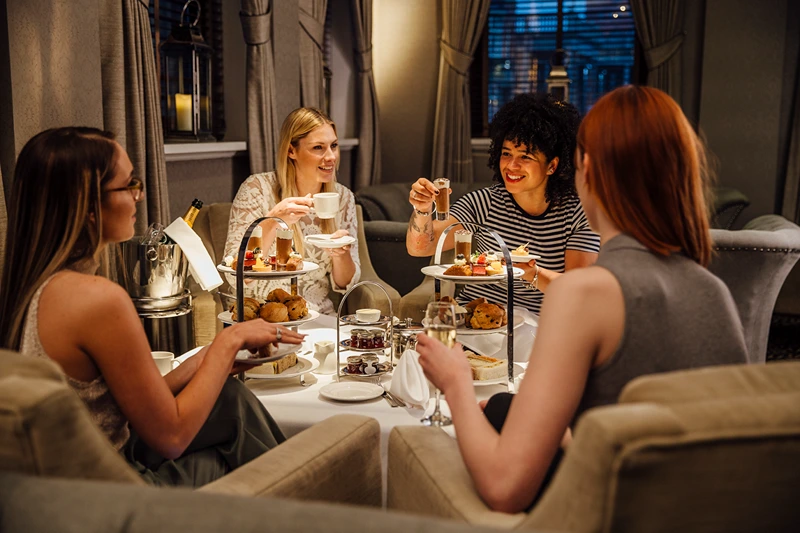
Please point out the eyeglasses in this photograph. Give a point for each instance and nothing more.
(135, 187)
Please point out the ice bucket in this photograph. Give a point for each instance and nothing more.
(148, 271)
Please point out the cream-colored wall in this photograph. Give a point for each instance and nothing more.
(406, 62)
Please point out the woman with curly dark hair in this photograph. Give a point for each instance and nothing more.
(534, 200)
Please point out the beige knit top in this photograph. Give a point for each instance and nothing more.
(95, 394)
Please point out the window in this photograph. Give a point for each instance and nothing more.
(598, 36)
(165, 13)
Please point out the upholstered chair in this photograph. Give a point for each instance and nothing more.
(754, 262)
(45, 430)
(708, 450)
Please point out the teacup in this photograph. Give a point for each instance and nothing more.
(326, 204)
(165, 361)
(326, 355)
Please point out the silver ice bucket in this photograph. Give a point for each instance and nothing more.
(152, 272)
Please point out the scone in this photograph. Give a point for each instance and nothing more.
(251, 307)
(296, 306)
(274, 312)
(484, 368)
(278, 295)
(458, 270)
(487, 316)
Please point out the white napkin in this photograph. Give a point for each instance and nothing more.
(409, 382)
(201, 266)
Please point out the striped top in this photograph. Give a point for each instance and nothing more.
(560, 228)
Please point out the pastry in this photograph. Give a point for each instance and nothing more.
(278, 295)
(494, 268)
(487, 316)
(296, 307)
(274, 312)
(458, 270)
(522, 250)
(260, 266)
(251, 307)
(484, 368)
(275, 367)
(295, 262)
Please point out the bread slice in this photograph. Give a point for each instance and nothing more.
(276, 367)
(485, 368)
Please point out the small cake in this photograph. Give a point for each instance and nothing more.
(458, 270)
(295, 262)
(494, 268)
(260, 266)
(460, 260)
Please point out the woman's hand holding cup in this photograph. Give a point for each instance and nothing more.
(292, 209)
(422, 195)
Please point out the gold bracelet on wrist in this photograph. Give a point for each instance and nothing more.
(535, 282)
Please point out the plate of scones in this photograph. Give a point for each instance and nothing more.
(281, 307)
(479, 317)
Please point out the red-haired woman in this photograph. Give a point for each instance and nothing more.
(648, 305)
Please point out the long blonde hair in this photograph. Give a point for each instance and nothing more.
(57, 186)
(298, 125)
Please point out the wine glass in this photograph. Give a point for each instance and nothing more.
(440, 323)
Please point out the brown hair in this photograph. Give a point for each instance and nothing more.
(57, 185)
(648, 170)
(298, 125)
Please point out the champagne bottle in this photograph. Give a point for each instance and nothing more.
(191, 213)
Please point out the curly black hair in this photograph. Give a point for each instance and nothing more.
(540, 122)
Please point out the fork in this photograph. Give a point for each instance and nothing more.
(393, 400)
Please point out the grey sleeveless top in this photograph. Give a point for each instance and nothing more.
(95, 394)
(678, 315)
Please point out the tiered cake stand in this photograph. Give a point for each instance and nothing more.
(509, 280)
(385, 323)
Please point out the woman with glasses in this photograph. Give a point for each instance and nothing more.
(74, 193)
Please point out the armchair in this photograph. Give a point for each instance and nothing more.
(45, 430)
(754, 262)
(705, 450)
(212, 227)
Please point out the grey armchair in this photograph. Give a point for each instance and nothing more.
(754, 262)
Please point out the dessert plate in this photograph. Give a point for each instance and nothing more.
(303, 366)
(437, 271)
(351, 391)
(226, 317)
(325, 241)
(463, 330)
(518, 371)
(308, 266)
(524, 258)
(280, 352)
(349, 320)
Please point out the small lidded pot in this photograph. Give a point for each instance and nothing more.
(377, 339)
(354, 364)
(369, 363)
(354, 333)
(365, 341)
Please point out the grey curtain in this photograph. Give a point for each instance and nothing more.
(262, 123)
(462, 24)
(312, 34)
(131, 106)
(368, 154)
(659, 25)
(791, 192)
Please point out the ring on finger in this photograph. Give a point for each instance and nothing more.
(278, 335)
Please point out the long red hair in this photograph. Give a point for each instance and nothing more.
(648, 170)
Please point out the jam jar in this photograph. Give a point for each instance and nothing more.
(354, 363)
(377, 339)
(365, 341)
(369, 360)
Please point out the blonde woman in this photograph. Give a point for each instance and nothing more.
(308, 158)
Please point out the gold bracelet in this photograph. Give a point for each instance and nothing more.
(535, 282)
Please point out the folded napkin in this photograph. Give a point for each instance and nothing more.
(201, 266)
(409, 382)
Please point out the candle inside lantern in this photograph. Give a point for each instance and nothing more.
(183, 110)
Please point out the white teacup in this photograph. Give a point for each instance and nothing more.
(326, 204)
(165, 361)
(326, 355)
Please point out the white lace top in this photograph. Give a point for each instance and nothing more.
(255, 198)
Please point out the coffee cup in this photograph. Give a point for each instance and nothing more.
(165, 361)
(326, 355)
(326, 204)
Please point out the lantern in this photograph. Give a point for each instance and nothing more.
(186, 82)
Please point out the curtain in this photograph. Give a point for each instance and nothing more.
(791, 192)
(659, 25)
(462, 24)
(3, 224)
(131, 106)
(312, 33)
(368, 153)
(262, 124)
